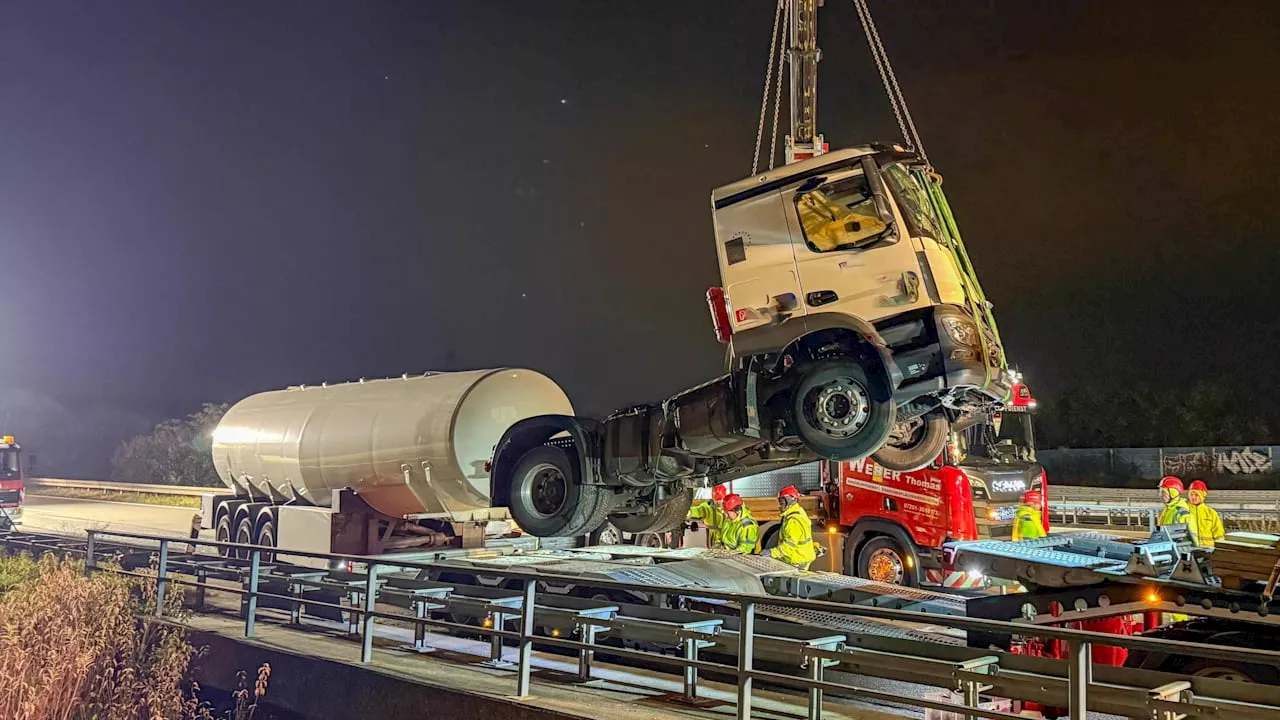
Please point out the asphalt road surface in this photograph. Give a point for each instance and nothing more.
(69, 516)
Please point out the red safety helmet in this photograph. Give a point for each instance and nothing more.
(732, 502)
(1032, 497)
(789, 491)
(719, 493)
(1199, 486)
(1171, 483)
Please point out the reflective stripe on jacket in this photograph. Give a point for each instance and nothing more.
(740, 535)
(795, 538)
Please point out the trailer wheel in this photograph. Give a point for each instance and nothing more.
(606, 534)
(549, 499)
(1227, 670)
(840, 412)
(244, 536)
(267, 537)
(883, 559)
(915, 443)
(222, 532)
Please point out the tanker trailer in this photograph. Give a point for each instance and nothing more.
(370, 467)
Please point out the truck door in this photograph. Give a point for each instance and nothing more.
(849, 258)
(757, 260)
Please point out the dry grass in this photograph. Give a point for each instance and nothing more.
(140, 498)
(77, 648)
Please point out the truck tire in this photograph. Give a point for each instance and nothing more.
(915, 443)
(883, 559)
(668, 515)
(840, 412)
(549, 499)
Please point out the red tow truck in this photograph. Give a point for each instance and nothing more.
(891, 526)
(12, 489)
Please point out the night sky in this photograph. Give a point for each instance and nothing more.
(199, 201)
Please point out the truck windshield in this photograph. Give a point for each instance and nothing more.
(9, 464)
(839, 215)
(1008, 441)
(913, 202)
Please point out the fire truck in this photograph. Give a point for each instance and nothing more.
(12, 489)
(891, 526)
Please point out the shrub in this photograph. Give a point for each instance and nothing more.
(85, 648)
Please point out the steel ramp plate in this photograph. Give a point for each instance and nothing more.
(1037, 551)
(652, 576)
(854, 626)
(640, 550)
(953, 603)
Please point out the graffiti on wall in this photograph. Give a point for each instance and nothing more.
(1241, 461)
(1188, 463)
(1221, 461)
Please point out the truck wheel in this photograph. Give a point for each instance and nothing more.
(841, 413)
(549, 499)
(1226, 670)
(668, 515)
(883, 559)
(915, 443)
(606, 534)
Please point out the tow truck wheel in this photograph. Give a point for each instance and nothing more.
(1228, 670)
(915, 443)
(549, 499)
(883, 559)
(840, 412)
(606, 534)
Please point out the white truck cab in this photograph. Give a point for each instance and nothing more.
(845, 279)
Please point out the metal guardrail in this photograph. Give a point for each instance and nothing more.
(974, 672)
(183, 490)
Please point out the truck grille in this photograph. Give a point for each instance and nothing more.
(10, 497)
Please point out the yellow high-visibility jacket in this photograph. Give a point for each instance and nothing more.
(1027, 524)
(740, 535)
(795, 538)
(1208, 525)
(1177, 511)
(712, 517)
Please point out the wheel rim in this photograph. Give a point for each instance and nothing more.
(906, 434)
(649, 540)
(886, 566)
(1223, 673)
(609, 535)
(223, 534)
(544, 490)
(839, 408)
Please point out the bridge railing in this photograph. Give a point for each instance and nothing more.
(1076, 683)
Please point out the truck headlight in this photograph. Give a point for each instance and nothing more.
(961, 330)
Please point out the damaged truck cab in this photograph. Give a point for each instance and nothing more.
(855, 325)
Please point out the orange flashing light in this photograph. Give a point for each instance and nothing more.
(832, 529)
(7, 439)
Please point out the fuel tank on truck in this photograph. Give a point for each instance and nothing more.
(415, 445)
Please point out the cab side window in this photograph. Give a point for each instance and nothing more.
(839, 215)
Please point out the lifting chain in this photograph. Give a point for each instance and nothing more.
(896, 100)
(774, 58)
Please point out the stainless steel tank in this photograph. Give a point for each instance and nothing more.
(407, 446)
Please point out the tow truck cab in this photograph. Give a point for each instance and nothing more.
(894, 524)
(12, 488)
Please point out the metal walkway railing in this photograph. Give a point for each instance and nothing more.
(1078, 684)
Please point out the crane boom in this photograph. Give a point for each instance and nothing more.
(802, 58)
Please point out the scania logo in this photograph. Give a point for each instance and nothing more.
(1008, 486)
